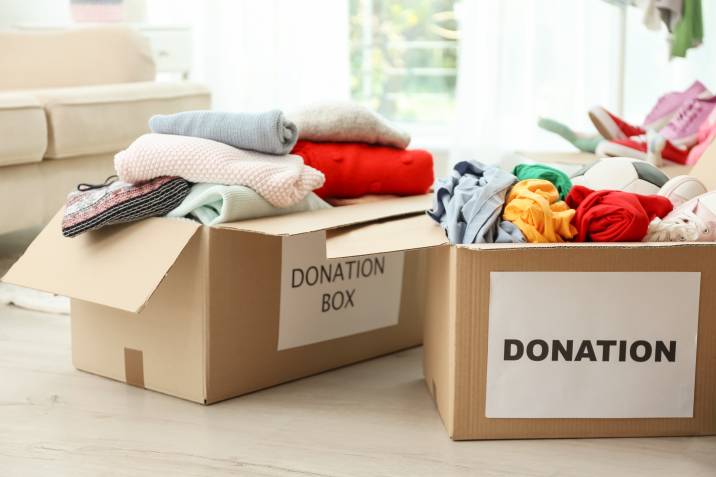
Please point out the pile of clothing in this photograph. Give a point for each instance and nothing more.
(217, 167)
(537, 203)
(679, 128)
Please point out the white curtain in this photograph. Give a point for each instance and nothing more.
(521, 59)
(263, 54)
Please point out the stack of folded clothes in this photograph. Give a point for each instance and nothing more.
(218, 167)
(360, 153)
(537, 203)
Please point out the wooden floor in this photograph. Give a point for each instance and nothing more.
(371, 419)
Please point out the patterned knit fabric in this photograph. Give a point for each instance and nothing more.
(347, 122)
(281, 180)
(120, 202)
(267, 132)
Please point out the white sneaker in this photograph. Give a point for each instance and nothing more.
(681, 189)
(692, 221)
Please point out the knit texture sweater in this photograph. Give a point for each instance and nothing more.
(281, 180)
(347, 122)
(267, 132)
(354, 169)
(119, 202)
(213, 204)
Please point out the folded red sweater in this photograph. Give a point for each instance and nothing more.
(357, 169)
(613, 215)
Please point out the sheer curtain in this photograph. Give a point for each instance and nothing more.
(261, 54)
(521, 59)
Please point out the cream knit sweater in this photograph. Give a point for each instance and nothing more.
(347, 122)
(281, 180)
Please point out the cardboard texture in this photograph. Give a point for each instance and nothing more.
(115, 266)
(461, 335)
(457, 329)
(326, 219)
(416, 232)
(193, 311)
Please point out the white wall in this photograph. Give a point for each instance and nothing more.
(13, 12)
(54, 12)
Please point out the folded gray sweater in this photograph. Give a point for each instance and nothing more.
(267, 132)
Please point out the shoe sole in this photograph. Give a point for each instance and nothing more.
(685, 142)
(605, 124)
(610, 149)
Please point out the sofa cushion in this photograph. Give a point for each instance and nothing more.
(107, 118)
(23, 128)
(74, 57)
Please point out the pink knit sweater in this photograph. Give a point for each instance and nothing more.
(281, 180)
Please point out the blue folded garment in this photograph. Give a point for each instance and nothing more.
(267, 132)
(468, 204)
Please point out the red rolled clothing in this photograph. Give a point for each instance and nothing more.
(357, 169)
(613, 215)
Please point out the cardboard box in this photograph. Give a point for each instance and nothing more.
(574, 340)
(209, 313)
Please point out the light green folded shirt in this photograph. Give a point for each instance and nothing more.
(213, 204)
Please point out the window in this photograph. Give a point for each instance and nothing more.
(404, 58)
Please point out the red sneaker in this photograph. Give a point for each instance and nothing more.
(638, 149)
(612, 127)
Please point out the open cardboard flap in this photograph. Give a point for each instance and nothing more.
(117, 266)
(408, 233)
(581, 245)
(326, 219)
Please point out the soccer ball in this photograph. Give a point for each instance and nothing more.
(621, 173)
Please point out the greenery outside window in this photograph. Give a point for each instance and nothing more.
(404, 58)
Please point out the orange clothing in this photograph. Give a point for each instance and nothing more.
(533, 205)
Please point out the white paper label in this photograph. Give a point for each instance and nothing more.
(325, 299)
(592, 345)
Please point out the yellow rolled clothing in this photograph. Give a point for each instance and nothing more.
(533, 205)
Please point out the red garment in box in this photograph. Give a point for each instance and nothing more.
(614, 215)
(357, 169)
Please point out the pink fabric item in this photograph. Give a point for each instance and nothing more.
(94, 13)
(706, 135)
(669, 103)
(281, 180)
(683, 128)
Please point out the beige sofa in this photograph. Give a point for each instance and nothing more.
(69, 101)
